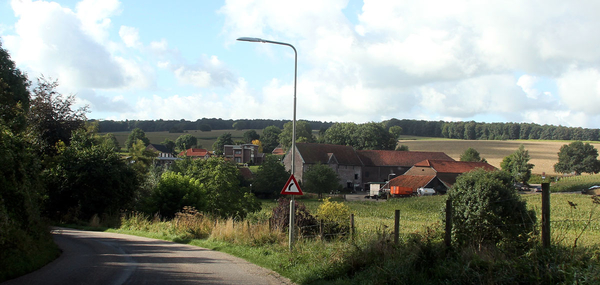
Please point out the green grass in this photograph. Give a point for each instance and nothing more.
(576, 183)
(205, 139)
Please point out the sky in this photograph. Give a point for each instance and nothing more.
(358, 61)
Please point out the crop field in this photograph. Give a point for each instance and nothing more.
(205, 139)
(544, 154)
(419, 213)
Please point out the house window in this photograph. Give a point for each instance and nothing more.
(238, 151)
(238, 160)
(356, 176)
(366, 174)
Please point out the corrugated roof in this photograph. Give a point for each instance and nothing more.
(319, 153)
(398, 158)
(443, 166)
(412, 181)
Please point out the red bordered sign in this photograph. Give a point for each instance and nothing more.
(291, 187)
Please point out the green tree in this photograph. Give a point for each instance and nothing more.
(270, 138)
(173, 192)
(402, 148)
(51, 118)
(577, 158)
(303, 134)
(374, 136)
(270, 178)
(169, 144)
(89, 179)
(517, 164)
(487, 210)
(471, 155)
(222, 181)
(110, 141)
(205, 128)
(320, 178)
(14, 94)
(341, 134)
(134, 136)
(396, 131)
(239, 125)
(186, 141)
(219, 145)
(140, 158)
(251, 135)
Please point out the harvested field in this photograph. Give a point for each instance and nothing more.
(544, 154)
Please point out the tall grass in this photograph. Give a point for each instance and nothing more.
(576, 183)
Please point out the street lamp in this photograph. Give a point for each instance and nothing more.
(292, 211)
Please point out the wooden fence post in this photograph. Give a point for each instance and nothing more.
(352, 229)
(546, 215)
(448, 236)
(396, 226)
(321, 229)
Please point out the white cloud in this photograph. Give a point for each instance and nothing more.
(130, 36)
(580, 90)
(527, 83)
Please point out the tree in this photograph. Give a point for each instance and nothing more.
(134, 136)
(320, 178)
(303, 134)
(577, 158)
(169, 144)
(222, 140)
(402, 148)
(363, 136)
(487, 210)
(341, 134)
(270, 178)
(89, 179)
(140, 158)
(173, 192)
(239, 125)
(110, 141)
(14, 94)
(270, 138)
(517, 164)
(205, 128)
(259, 144)
(396, 131)
(51, 118)
(471, 155)
(251, 135)
(186, 141)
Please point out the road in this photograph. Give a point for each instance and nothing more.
(110, 258)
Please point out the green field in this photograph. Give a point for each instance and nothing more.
(205, 139)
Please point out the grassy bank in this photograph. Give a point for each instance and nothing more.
(420, 256)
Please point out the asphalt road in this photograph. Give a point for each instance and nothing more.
(109, 258)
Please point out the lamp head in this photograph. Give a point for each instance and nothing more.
(248, 39)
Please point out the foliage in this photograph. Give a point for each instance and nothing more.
(89, 179)
(51, 119)
(303, 134)
(396, 131)
(363, 136)
(402, 148)
(577, 183)
(320, 178)
(134, 136)
(270, 138)
(221, 180)
(259, 144)
(270, 178)
(471, 155)
(14, 94)
(169, 144)
(222, 140)
(205, 128)
(140, 158)
(304, 221)
(251, 135)
(577, 158)
(335, 217)
(186, 141)
(487, 210)
(239, 125)
(110, 141)
(174, 192)
(517, 164)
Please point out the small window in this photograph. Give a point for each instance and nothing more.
(238, 151)
(366, 174)
(356, 176)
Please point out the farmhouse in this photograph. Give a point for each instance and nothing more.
(245, 153)
(356, 168)
(196, 153)
(164, 155)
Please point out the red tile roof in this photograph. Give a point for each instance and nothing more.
(320, 153)
(278, 151)
(412, 181)
(444, 166)
(398, 158)
(246, 173)
(194, 152)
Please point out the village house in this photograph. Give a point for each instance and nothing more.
(164, 155)
(195, 153)
(245, 153)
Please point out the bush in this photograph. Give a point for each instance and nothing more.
(280, 219)
(173, 192)
(335, 217)
(487, 210)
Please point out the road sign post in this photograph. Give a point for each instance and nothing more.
(292, 188)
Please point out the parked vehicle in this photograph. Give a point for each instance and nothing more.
(425, 191)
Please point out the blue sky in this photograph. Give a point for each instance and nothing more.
(359, 61)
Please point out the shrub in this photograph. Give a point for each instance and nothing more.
(487, 210)
(280, 219)
(335, 217)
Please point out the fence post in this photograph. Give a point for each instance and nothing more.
(448, 236)
(352, 230)
(546, 215)
(321, 229)
(396, 226)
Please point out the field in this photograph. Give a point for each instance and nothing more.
(544, 154)
(205, 139)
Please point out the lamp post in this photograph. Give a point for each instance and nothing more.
(293, 151)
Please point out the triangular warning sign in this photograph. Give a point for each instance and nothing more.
(291, 187)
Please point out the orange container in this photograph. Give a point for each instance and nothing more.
(401, 191)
